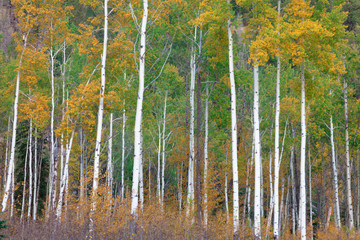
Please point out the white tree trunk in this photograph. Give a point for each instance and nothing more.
(24, 183)
(123, 153)
(206, 157)
(277, 147)
(233, 132)
(281, 204)
(271, 207)
(6, 151)
(138, 118)
(101, 103)
(52, 172)
(180, 187)
(62, 114)
(109, 170)
(12, 192)
(163, 153)
(30, 170)
(335, 179)
(64, 178)
(158, 183)
(35, 177)
(348, 165)
(190, 192)
(302, 206)
(257, 190)
(226, 199)
(11, 162)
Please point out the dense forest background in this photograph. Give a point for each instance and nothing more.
(180, 119)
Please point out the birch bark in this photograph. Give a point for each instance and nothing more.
(163, 153)
(348, 165)
(335, 177)
(277, 148)
(206, 157)
(123, 153)
(233, 132)
(257, 191)
(302, 205)
(30, 170)
(138, 118)
(190, 192)
(11, 163)
(109, 163)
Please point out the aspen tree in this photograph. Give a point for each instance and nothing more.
(348, 167)
(10, 173)
(277, 148)
(206, 158)
(163, 153)
(190, 191)
(335, 177)
(139, 114)
(233, 132)
(100, 117)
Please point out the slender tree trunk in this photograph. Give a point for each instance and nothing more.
(271, 207)
(109, 169)
(53, 161)
(6, 151)
(123, 153)
(281, 204)
(158, 182)
(12, 193)
(163, 153)
(328, 218)
(348, 165)
(11, 163)
(138, 118)
(65, 177)
(35, 177)
(82, 146)
(198, 140)
(302, 208)
(226, 199)
(247, 186)
(277, 147)
(206, 157)
(233, 133)
(100, 117)
(24, 183)
(190, 192)
(293, 188)
(257, 191)
(30, 170)
(62, 114)
(335, 177)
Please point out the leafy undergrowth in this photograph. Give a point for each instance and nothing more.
(114, 221)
